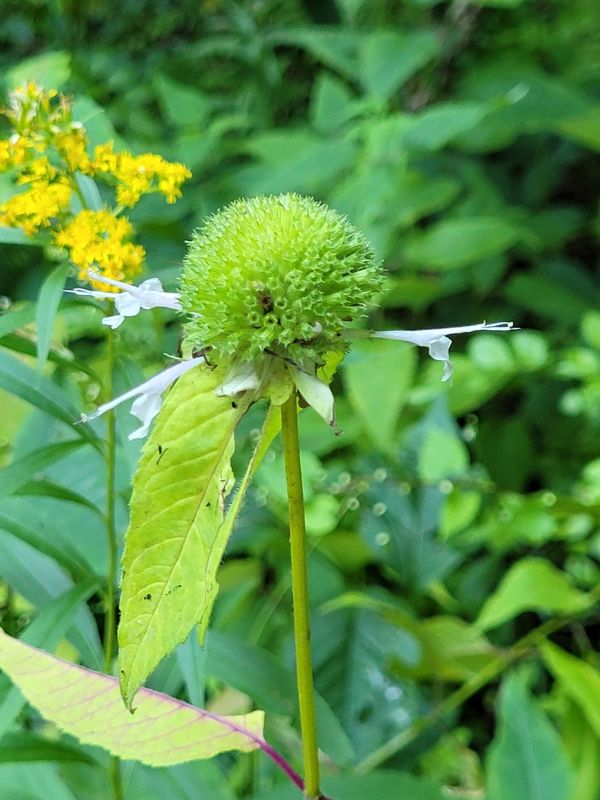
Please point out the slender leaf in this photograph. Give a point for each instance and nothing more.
(88, 705)
(579, 680)
(526, 759)
(13, 320)
(18, 379)
(177, 509)
(46, 543)
(21, 471)
(47, 306)
(27, 746)
(17, 236)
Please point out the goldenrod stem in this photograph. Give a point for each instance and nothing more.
(111, 532)
(304, 676)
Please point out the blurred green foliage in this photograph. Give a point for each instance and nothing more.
(454, 529)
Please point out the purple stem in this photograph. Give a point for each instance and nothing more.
(286, 767)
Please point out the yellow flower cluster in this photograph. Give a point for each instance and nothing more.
(41, 206)
(46, 151)
(138, 175)
(96, 240)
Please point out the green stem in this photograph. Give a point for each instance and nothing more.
(111, 532)
(304, 676)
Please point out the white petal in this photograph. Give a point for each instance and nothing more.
(437, 341)
(113, 322)
(240, 379)
(424, 337)
(127, 305)
(89, 292)
(154, 386)
(317, 394)
(145, 408)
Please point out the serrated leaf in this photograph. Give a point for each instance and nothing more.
(526, 759)
(47, 306)
(88, 705)
(177, 509)
(532, 584)
(269, 431)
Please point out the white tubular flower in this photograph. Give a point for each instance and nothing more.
(148, 396)
(241, 378)
(131, 299)
(317, 394)
(437, 340)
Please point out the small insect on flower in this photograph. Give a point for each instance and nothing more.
(268, 288)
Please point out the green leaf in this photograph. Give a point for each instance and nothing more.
(50, 70)
(452, 649)
(578, 679)
(336, 47)
(17, 236)
(46, 543)
(89, 191)
(88, 705)
(27, 746)
(388, 59)
(442, 455)
(16, 319)
(380, 785)
(532, 584)
(47, 306)
(272, 686)
(18, 379)
(454, 243)
(269, 431)
(177, 507)
(437, 126)
(378, 376)
(181, 104)
(330, 103)
(526, 759)
(47, 629)
(21, 471)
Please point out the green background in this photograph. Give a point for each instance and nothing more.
(448, 522)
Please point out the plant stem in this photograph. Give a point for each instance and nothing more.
(111, 453)
(111, 532)
(304, 676)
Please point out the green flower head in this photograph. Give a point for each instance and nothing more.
(278, 275)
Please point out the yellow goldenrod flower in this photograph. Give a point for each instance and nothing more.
(38, 207)
(72, 149)
(96, 243)
(138, 175)
(40, 169)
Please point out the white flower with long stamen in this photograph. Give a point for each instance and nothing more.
(268, 288)
(131, 299)
(148, 396)
(437, 339)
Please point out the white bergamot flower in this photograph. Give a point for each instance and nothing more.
(267, 290)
